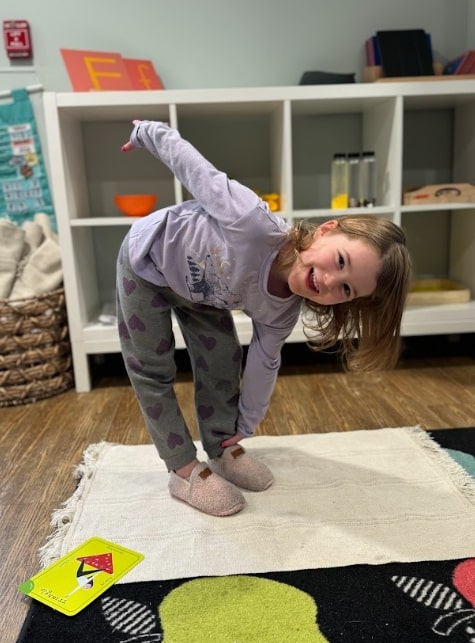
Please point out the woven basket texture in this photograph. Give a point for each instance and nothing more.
(35, 352)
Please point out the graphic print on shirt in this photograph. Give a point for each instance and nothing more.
(206, 286)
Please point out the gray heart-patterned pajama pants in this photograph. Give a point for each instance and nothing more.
(144, 314)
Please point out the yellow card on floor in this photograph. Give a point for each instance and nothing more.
(76, 579)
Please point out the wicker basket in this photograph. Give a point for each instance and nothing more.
(35, 353)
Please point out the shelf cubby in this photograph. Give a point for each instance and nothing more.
(273, 139)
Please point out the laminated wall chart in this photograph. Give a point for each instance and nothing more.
(24, 189)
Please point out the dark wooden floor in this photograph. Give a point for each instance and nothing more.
(40, 444)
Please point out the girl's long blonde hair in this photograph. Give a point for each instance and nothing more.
(367, 328)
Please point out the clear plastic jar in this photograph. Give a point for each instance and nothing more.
(339, 181)
(353, 179)
(368, 182)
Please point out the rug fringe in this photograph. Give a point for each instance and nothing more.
(460, 478)
(62, 518)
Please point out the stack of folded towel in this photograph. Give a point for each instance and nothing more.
(30, 259)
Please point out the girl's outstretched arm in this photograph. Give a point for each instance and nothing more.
(222, 198)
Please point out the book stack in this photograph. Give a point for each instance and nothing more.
(463, 64)
(373, 57)
(405, 52)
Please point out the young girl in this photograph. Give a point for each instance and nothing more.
(224, 251)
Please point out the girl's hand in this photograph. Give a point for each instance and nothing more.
(128, 146)
(230, 441)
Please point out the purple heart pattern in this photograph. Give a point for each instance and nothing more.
(159, 301)
(129, 286)
(154, 411)
(124, 331)
(135, 364)
(205, 412)
(202, 364)
(163, 347)
(135, 323)
(208, 342)
(174, 440)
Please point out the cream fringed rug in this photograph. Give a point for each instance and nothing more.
(362, 497)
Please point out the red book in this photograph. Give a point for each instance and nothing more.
(370, 53)
(466, 62)
(472, 66)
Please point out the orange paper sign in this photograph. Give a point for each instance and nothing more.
(100, 70)
(142, 74)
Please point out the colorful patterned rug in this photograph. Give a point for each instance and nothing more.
(397, 602)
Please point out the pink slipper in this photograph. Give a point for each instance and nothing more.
(237, 466)
(207, 492)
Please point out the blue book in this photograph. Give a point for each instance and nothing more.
(452, 66)
(377, 55)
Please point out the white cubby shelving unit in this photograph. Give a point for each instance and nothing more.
(273, 139)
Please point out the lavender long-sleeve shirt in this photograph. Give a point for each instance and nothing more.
(217, 250)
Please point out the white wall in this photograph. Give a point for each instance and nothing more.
(218, 43)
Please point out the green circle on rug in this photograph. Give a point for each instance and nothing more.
(235, 609)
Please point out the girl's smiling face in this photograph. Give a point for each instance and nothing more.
(335, 268)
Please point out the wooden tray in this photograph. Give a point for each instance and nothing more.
(375, 73)
(426, 292)
(441, 193)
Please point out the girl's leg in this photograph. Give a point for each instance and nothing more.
(145, 330)
(216, 357)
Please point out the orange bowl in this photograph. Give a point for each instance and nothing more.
(135, 205)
